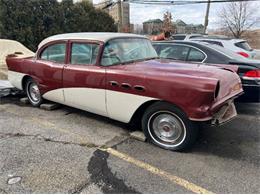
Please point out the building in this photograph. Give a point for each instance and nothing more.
(152, 27)
(181, 27)
(113, 9)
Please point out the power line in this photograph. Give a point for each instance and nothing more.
(110, 3)
(163, 2)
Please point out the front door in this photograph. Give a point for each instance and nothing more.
(83, 80)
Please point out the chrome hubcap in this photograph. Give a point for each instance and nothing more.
(34, 92)
(166, 128)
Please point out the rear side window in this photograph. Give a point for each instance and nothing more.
(196, 55)
(215, 43)
(55, 53)
(84, 53)
(178, 37)
(195, 36)
(175, 52)
(244, 45)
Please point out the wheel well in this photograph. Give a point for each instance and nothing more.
(25, 79)
(137, 117)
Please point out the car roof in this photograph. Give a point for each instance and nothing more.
(180, 42)
(187, 34)
(95, 36)
(218, 39)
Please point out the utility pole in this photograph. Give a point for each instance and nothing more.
(206, 22)
(120, 22)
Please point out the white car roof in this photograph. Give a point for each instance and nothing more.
(219, 39)
(95, 36)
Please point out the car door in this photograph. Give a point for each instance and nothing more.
(48, 73)
(126, 85)
(83, 79)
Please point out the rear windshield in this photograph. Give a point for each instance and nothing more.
(244, 45)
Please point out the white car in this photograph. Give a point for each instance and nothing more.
(238, 46)
(179, 37)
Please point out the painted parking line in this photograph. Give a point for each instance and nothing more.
(154, 170)
(175, 179)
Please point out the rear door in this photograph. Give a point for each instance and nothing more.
(83, 79)
(48, 70)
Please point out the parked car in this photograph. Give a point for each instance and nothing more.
(185, 36)
(238, 46)
(120, 76)
(188, 51)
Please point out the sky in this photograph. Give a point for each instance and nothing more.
(193, 13)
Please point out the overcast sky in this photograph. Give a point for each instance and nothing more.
(194, 13)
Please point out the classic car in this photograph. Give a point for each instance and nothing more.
(120, 76)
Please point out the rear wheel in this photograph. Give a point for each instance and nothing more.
(33, 93)
(168, 127)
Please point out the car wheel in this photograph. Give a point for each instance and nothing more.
(33, 93)
(168, 127)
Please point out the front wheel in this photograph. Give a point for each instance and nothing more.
(33, 93)
(168, 127)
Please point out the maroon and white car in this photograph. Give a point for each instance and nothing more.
(120, 76)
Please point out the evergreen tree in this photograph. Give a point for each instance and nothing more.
(30, 21)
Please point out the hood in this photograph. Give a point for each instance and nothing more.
(167, 69)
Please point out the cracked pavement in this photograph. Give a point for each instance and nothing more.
(59, 152)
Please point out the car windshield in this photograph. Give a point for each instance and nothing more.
(127, 50)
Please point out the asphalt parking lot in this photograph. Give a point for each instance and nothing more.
(72, 151)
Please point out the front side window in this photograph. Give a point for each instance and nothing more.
(126, 50)
(84, 53)
(175, 52)
(55, 53)
(196, 55)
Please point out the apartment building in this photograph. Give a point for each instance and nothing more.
(113, 9)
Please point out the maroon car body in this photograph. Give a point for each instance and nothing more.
(123, 90)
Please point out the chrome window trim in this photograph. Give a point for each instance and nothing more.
(206, 56)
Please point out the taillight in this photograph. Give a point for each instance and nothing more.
(243, 54)
(252, 74)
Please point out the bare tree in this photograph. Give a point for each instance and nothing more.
(167, 22)
(238, 17)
